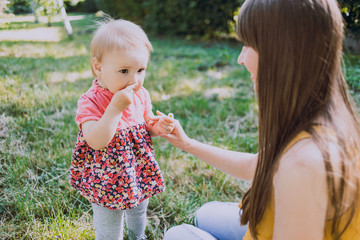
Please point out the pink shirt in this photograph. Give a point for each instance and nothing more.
(92, 105)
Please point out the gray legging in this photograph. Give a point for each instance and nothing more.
(109, 223)
(213, 221)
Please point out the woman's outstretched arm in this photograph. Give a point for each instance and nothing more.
(237, 164)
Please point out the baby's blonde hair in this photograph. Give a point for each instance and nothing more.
(117, 34)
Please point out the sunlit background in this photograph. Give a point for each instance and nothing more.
(44, 69)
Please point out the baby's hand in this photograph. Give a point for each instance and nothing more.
(163, 124)
(174, 134)
(123, 98)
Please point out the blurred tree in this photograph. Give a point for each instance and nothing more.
(191, 17)
(34, 6)
(350, 10)
(81, 6)
(51, 8)
(131, 10)
(177, 17)
(3, 6)
(19, 6)
(48, 8)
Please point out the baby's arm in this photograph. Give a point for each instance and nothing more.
(99, 133)
(160, 125)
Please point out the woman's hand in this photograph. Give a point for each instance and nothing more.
(178, 137)
(237, 164)
(175, 133)
(160, 125)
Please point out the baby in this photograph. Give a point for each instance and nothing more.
(113, 163)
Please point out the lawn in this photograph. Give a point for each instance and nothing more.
(41, 79)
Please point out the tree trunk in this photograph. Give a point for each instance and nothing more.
(34, 6)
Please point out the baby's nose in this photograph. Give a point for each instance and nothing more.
(134, 79)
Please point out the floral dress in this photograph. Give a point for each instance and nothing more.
(123, 174)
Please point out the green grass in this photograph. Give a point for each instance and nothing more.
(40, 83)
(352, 63)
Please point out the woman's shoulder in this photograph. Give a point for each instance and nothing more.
(300, 189)
(301, 166)
(304, 154)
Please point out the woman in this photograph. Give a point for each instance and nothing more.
(305, 177)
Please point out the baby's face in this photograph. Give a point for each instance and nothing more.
(121, 68)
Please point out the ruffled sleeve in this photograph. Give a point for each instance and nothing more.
(92, 104)
(86, 111)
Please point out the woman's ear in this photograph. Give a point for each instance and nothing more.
(96, 65)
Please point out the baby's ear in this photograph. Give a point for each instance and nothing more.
(96, 66)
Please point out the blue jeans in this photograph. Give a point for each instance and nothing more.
(214, 220)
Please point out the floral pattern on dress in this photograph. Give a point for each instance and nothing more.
(121, 175)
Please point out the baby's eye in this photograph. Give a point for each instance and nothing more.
(141, 69)
(124, 71)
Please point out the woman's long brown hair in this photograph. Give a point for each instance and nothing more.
(299, 81)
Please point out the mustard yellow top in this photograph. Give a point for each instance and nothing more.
(266, 226)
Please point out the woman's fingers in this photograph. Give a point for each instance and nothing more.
(168, 118)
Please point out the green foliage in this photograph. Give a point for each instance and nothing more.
(190, 17)
(48, 8)
(82, 6)
(350, 10)
(177, 17)
(19, 6)
(352, 63)
(130, 10)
